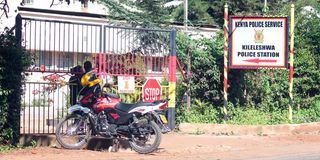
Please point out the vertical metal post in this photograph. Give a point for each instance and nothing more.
(49, 52)
(291, 61)
(102, 42)
(34, 110)
(39, 119)
(225, 73)
(188, 79)
(185, 15)
(18, 31)
(54, 46)
(172, 80)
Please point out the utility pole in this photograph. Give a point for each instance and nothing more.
(188, 56)
(188, 78)
(185, 22)
(265, 8)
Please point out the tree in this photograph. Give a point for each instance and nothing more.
(5, 8)
(141, 14)
(145, 14)
(307, 55)
(206, 66)
(212, 11)
(197, 13)
(263, 89)
(11, 77)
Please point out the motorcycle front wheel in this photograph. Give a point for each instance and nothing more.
(73, 132)
(148, 138)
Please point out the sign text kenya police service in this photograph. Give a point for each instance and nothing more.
(258, 42)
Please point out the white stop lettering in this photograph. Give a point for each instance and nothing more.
(152, 93)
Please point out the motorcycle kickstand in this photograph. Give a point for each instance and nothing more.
(115, 145)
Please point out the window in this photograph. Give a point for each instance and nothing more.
(64, 60)
(45, 58)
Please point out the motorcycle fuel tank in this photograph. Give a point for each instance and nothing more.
(105, 103)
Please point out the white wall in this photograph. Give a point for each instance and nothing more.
(75, 6)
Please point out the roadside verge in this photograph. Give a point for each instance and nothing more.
(226, 129)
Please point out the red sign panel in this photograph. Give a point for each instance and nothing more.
(151, 90)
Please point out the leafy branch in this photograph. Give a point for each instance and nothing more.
(4, 7)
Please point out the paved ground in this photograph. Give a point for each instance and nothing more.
(185, 146)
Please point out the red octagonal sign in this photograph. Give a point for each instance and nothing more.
(151, 91)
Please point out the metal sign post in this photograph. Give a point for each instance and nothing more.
(225, 72)
(291, 61)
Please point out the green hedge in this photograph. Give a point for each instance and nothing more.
(13, 60)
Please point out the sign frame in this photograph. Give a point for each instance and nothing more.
(254, 62)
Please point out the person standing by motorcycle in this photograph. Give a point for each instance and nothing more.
(89, 74)
(87, 66)
(90, 84)
(74, 83)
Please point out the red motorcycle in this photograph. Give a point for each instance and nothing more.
(104, 114)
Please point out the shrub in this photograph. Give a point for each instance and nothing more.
(13, 60)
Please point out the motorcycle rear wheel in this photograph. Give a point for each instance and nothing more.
(76, 128)
(138, 142)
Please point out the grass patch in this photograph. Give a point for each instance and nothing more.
(201, 112)
(8, 148)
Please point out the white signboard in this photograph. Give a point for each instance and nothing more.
(258, 42)
(126, 84)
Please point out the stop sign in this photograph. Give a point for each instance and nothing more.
(151, 91)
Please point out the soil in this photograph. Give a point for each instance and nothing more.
(178, 146)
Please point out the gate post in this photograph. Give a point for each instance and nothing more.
(172, 80)
(18, 28)
(14, 111)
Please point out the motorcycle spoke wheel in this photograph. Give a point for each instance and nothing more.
(148, 140)
(73, 132)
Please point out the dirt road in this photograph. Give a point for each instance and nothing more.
(181, 146)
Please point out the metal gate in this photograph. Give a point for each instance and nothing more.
(58, 45)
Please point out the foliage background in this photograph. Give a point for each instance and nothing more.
(256, 96)
(13, 60)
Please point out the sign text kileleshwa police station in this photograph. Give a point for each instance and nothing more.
(258, 42)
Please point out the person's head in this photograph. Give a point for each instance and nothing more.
(87, 66)
(77, 70)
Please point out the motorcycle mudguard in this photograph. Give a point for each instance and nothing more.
(76, 108)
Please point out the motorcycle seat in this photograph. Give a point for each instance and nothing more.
(125, 107)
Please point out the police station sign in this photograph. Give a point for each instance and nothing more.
(258, 42)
